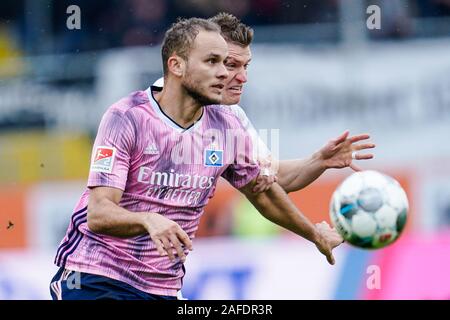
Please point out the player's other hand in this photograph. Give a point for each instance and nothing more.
(266, 177)
(337, 153)
(328, 239)
(167, 236)
(264, 182)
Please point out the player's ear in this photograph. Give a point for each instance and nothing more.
(176, 65)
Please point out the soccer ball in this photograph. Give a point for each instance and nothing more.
(369, 209)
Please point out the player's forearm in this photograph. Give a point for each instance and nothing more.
(276, 206)
(294, 175)
(106, 217)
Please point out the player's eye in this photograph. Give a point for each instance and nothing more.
(246, 66)
(230, 66)
(212, 61)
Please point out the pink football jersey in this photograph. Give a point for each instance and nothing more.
(161, 167)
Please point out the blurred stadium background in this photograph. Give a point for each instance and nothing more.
(317, 70)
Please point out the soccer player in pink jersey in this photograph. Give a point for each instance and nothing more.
(155, 163)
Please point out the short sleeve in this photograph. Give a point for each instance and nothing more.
(243, 167)
(111, 154)
(261, 151)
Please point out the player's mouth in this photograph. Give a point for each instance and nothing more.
(235, 90)
(218, 87)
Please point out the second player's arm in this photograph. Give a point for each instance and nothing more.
(294, 175)
(275, 205)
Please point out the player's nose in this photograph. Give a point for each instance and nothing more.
(242, 76)
(222, 73)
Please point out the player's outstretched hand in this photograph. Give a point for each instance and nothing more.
(341, 151)
(167, 235)
(329, 239)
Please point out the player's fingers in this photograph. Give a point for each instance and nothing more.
(329, 255)
(355, 168)
(335, 232)
(264, 184)
(258, 187)
(260, 183)
(337, 239)
(185, 239)
(359, 138)
(159, 247)
(337, 148)
(359, 156)
(177, 245)
(338, 242)
(330, 259)
(364, 146)
(270, 182)
(325, 224)
(342, 137)
(168, 248)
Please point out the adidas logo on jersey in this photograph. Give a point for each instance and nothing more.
(151, 149)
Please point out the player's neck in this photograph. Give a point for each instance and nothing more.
(178, 106)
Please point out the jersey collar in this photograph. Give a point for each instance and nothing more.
(165, 118)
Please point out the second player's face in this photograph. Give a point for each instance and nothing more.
(205, 74)
(237, 62)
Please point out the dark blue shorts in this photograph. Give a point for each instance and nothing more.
(70, 285)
